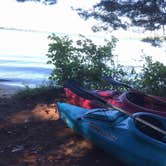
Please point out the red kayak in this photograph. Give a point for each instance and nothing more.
(132, 101)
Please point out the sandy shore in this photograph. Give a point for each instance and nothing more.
(7, 91)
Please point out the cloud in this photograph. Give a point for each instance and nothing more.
(46, 2)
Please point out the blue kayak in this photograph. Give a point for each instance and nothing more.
(124, 138)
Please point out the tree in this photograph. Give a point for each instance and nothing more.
(153, 77)
(150, 14)
(82, 60)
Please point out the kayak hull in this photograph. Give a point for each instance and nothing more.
(131, 101)
(116, 134)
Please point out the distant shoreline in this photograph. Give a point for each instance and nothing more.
(7, 91)
(5, 80)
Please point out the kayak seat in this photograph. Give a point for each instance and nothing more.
(136, 99)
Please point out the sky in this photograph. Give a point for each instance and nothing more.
(36, 16)
(61, 19)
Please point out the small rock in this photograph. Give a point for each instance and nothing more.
(26, 120)
(17, 148)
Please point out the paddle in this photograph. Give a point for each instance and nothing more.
(80, 91)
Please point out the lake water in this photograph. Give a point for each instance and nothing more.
(23, 59)
(22, 70)
(32, 70)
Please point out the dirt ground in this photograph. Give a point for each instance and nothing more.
(31, 134)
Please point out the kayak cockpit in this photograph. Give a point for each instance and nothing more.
(142, 129)
(146, 101)
(114, 117)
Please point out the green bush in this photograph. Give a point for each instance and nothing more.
(87, 62)
(153, 78)
(42, 93)
(82, 60)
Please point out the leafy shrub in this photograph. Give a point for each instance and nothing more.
(87, 62)
(82, 60)
(153, 78)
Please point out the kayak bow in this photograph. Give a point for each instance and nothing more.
(119, 135)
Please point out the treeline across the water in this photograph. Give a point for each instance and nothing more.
(87, 62)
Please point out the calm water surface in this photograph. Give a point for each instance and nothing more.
(23, 70)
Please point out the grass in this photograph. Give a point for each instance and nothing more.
(44, 91)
